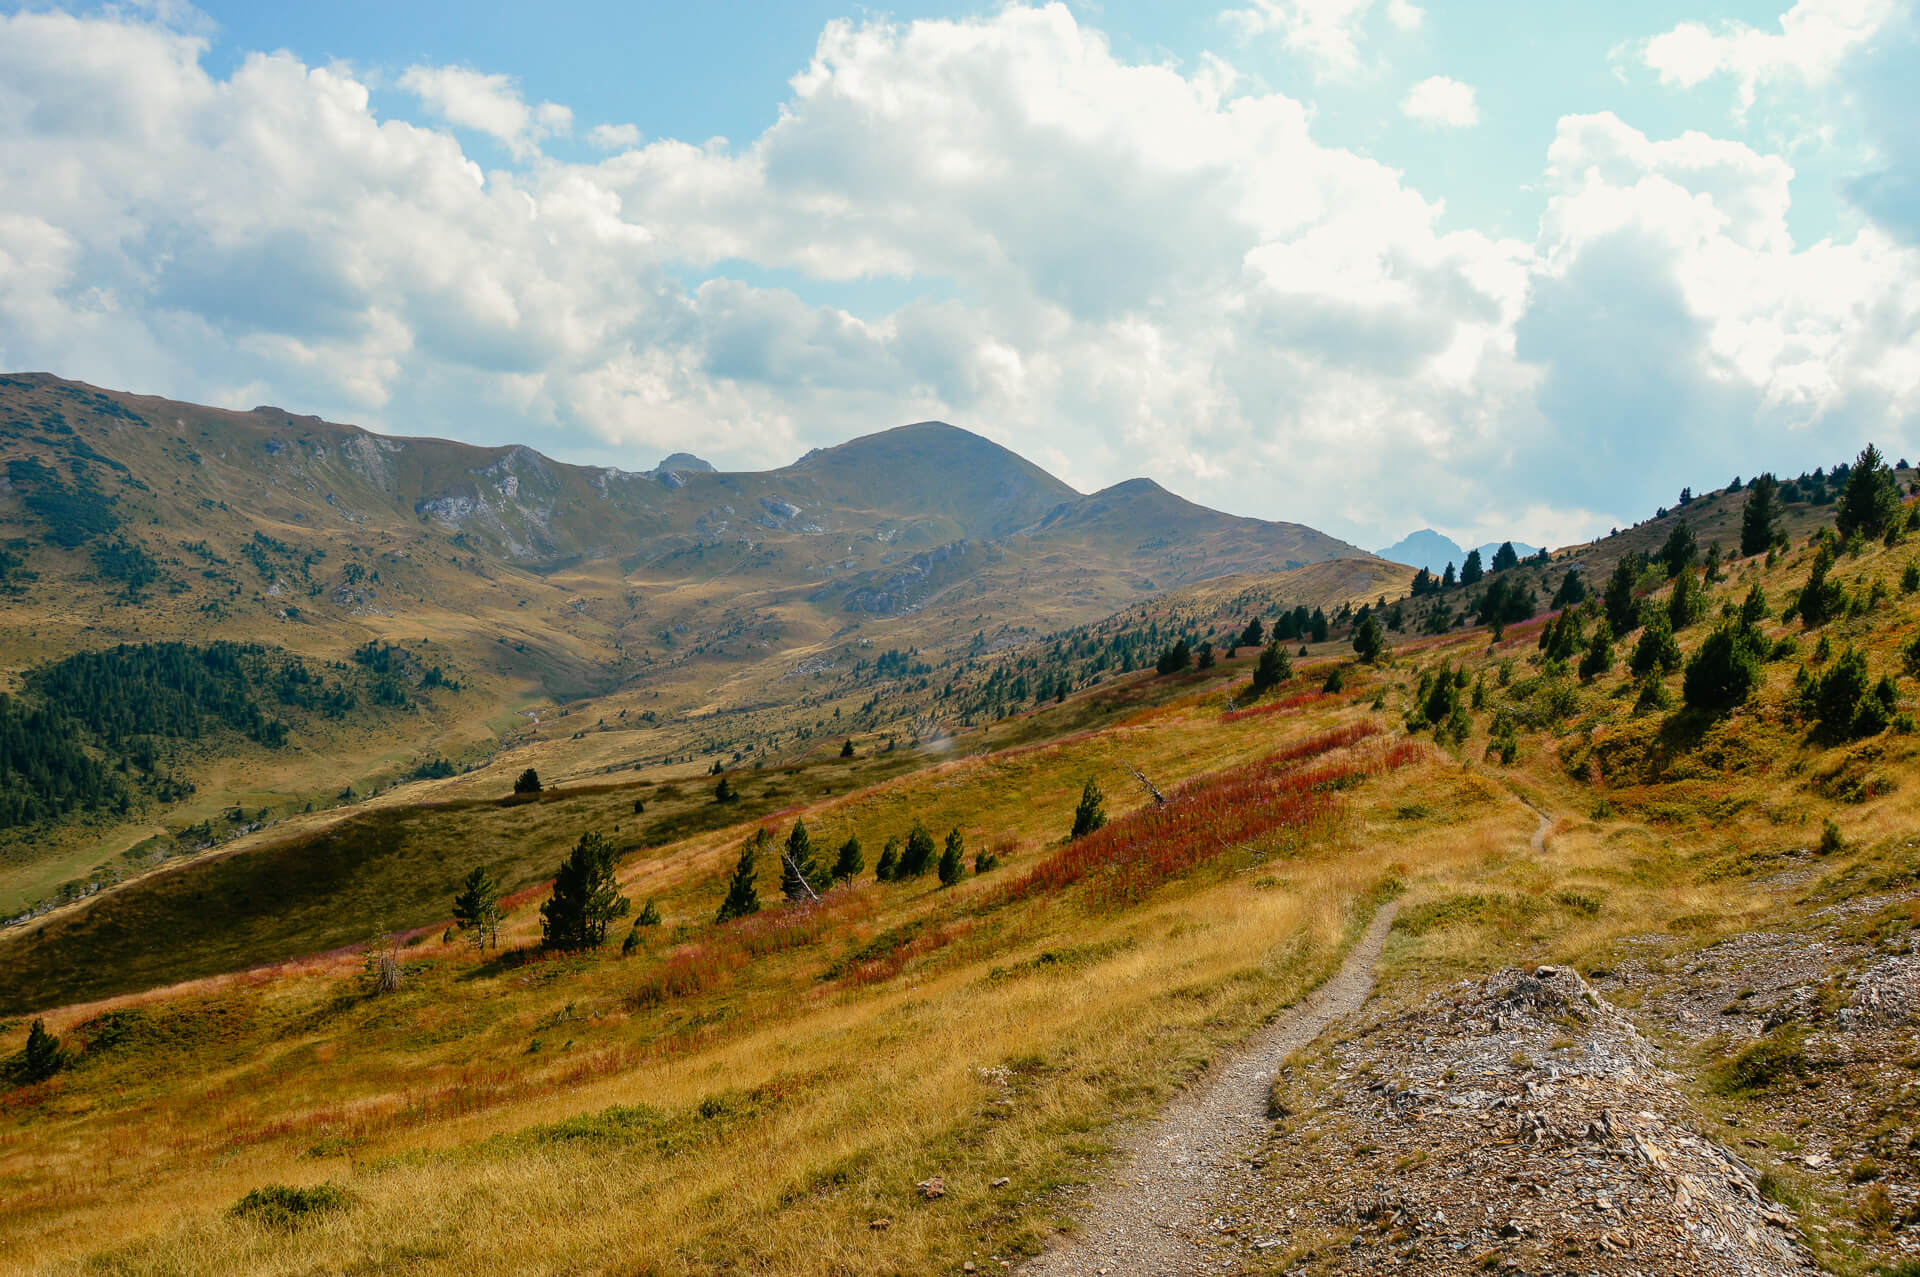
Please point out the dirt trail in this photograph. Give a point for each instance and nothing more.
(1145, 1220)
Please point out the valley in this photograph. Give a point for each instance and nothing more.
(1637, 902)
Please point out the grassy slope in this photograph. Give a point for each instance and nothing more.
(797, 1088)
(541, 585)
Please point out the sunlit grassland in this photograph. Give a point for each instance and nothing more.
(752, 1098)
(794, 1091)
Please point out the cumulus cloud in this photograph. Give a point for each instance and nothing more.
(487, 103)
(1326, 32)
(1119, 268)
(615, 137)
(1442, 103)
(1814, 39)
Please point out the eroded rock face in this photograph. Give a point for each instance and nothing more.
(1516, 1123)
(907, 587)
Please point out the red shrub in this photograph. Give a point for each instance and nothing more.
(1214, 814)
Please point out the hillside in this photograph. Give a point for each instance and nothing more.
(684, 613)
(1645, 1002)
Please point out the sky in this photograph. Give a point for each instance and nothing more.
(1372, 265)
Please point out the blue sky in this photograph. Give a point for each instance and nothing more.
(1368, 264)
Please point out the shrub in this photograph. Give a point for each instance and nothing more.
(1831, 839)
(281, 1206)
(1726, 669)
(952, 867)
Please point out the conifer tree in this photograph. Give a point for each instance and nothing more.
(1272, 669)
(1725, 669)
(918, 856)
(1091, 814)
(798, 869)
(846, 750)
(632, 943)
(1687, 603)
(1319, 626)
(1505, 557)
(649, 915)
(1870, 502)
(952, 866)
(476, 909)
(850, 862)
(1369, 644)
(1623, 609)
(528, 782)
(742, 899)
(1656, 650)
(1680, 550)
(888, 867)
(1472, 570)
(1203, 658)
(585, 898)
(1599, 657)
(1447, 578)
(1760, 518)
(1572, 591)
(1174, 659)
(42, 1057)
(1254, 634)
(724, 792)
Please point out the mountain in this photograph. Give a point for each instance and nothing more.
(1433, 551)
(465, 600)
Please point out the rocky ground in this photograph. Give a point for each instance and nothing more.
(1515, 1124)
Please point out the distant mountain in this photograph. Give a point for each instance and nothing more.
(1433, 551)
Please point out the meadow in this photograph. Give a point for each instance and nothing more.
(778, 1094)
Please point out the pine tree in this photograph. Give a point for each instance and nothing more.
(1272, 669)
(798, 869)
(1204, 658)
(1471, 571)
(1870, 503)
(528, 783)
(43, 1055)
(1680, 550)
(1254, 634)
(1174, 659)
(1821, 599)
(1687, 603)
(918, 856)
(1572, 591)
(888, 867)
(1725, 669)
(585, 898)
(724, 792)
(850, 862)
(476, 909)
(1623, 609)
(846, 750)
(632, 942)
(1656, 650)
(742, 899)
(1319, 626)
(1505, 557)
(1091, 814)
(1447, 578)
(1368, 642)
(649, 915)
(1760, 519)
(952, 867)
(1599, 657)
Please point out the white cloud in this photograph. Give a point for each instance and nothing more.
(1814, 39)
(1405, 15)
(1326, 32)
(1145, 270)
(615, 137)
(1442, 102)
(487, 103)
